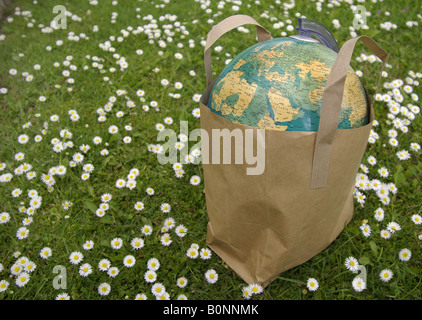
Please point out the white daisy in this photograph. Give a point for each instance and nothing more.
(158, 289)
(104, 264)
(141, 296)
(166, 239)
(146, 230)
(16, 269)
(113, 272)
(116, 243)
(372, 160)
(88, 245)
(22, 260)
(22, 233)
(63, 296)
(45, 253)
(85, 270)
(129, 261)
(247, 292)
(211, 276)
(16, 192)
(366, 229)
(385, 234)
(383, 172)
(164, 296)
(153, 264)
(177, 166)
(405, 254)
(312, 284)
(179, 173)
(120, 183)
(104, 289)
(4, 217)
(205, 253)
(416, 218)
(169, 223)
(192, 253)
(139, 206)
(85, 176)
(165, 207)
(131, 184)
(29, 266)
(22, 279)
(358, 284)
(3, 285)
(35, 202)
(182, 282)
(104, 206)
(23, 139)
(379, 214)
(386, 275)
(258, 289)
(100, 212)
(113, 129)
(393, 227)
(150, 276)
(195, 180)
(75, 257)
(351, 264)
(181, 231)
(137, 243)
(106, 197)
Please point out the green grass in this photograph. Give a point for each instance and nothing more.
(66, 231)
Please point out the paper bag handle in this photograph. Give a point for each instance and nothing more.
(331, 106)
(221, 28)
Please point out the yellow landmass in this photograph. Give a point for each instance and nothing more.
(240, 63)
(268, 123)
(277, 77)
(232, 84)
(319, 70)
(316, 94)
(226, 109)
(354, 97)
(268, 58)
(283, 44)
(283, 110)
(258, 48)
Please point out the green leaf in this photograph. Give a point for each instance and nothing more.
(364, 260)
(374, 247)
(114, 137)
(145, 220)
(91, 190)
(106, 219)
(90, 205)
(399, 177)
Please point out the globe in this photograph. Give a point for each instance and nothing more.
(278, 84)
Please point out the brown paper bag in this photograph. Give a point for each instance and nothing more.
(264, 224)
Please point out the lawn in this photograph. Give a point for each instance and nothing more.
(83, 195)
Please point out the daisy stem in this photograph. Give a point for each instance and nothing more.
(292, 280)
(379, 257)
(409, 292)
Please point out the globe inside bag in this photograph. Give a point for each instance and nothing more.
(278, 84)
(264, 224)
